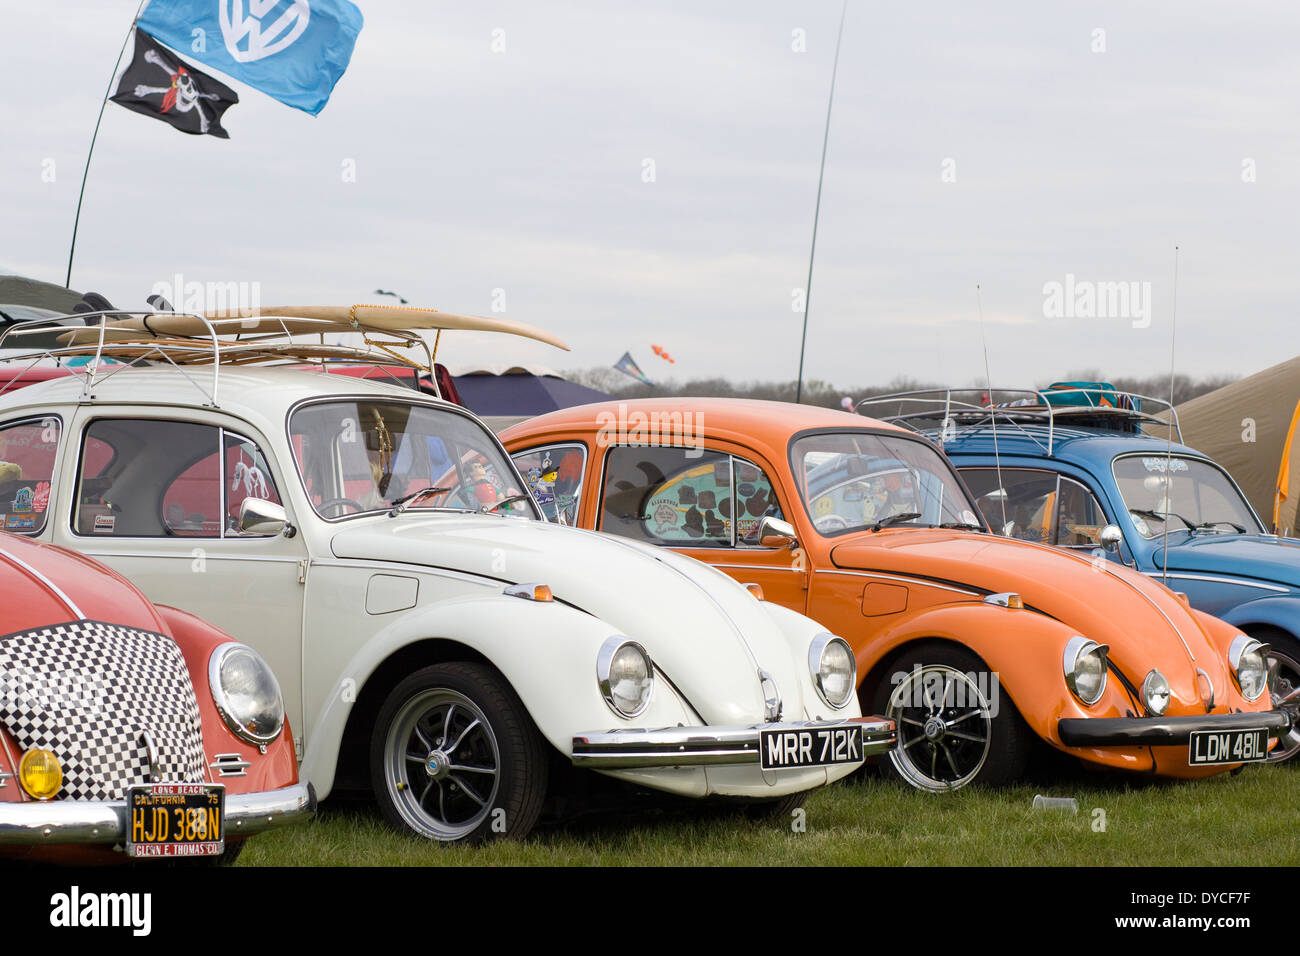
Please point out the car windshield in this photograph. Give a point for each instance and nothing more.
(363, 456)
(1187, 494)
(854, 480)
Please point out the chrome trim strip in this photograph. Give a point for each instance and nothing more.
(230, 765)
(372, 564)
(188, 556)
(897, 577)
(104, 821)
(58, 592)
(709, 746)
(1185, 576)
(755, 567)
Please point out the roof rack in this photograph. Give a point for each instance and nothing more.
(946, 410)
(288, 335)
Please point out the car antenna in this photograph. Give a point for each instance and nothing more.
(1169, 445)
(993, 415)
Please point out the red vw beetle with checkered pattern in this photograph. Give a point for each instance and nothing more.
(130, 730)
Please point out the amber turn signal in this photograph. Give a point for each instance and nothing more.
(40, 774)
(756, 590)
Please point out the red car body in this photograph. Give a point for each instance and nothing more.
(45, 586)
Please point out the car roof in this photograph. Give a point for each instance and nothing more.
(766, 424)
(258, 394)
(1085, 447)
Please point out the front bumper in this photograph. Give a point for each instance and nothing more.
(709, 746)
(1163, 731)
(104, 821)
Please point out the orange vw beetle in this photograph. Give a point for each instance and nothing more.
(971, 642)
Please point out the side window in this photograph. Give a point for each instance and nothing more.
(1024, 506)
(754, 497)
(554, 476)
(662, 496)
(149, 479)
(1080, 518)
(246, 476)
(678, 496)
(27, 453)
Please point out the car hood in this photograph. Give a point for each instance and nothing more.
(704, 631)
(1143, 622)
(1262, 557)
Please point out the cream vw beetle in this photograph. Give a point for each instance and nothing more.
(432, 635)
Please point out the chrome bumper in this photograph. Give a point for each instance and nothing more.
(1161, 731)
(709, 746)
(104, 821)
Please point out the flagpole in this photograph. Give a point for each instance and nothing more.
(817, 210)
(85, 173)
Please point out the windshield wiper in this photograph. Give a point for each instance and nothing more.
(489, 509)
(962, 524)
(404, 502)
(1163, 517)
(895, 519)
(1211, 525)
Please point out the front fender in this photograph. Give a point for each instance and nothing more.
(1023, 648)
(546, 650)
(1282, 612)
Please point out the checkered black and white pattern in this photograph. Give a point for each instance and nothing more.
(87, 691)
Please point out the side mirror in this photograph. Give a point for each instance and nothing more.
(1110, 538)
(773, 533)
(259, 516)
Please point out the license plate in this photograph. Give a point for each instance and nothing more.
(809, 747)
(1227, 746)
(175, 819)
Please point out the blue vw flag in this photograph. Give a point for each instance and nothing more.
(293, 50)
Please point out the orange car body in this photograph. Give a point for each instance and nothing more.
(888, 590)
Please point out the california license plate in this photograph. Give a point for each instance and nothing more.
(175, 819)
(1227, 746)
(809, 747)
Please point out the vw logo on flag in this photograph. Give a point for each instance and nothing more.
(261, 32)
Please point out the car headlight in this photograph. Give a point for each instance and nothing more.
(246, 693)
(1085, 668)
(40, 774)
(626, 676)
(834, 669)
(1155, 693)
(1249, 660)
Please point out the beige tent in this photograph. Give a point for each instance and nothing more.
(1249, 428)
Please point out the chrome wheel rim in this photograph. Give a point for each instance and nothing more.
(1284, 683)
(442, 764)
(945, 728)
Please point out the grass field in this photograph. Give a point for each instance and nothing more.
(1252, 818)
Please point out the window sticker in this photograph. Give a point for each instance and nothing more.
(105, 524)
(41, 497)
(22, 503)
(20, 523)
(1162, 464)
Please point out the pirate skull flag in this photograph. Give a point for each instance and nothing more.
(160, 84)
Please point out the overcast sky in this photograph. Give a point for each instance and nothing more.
(1004, 145)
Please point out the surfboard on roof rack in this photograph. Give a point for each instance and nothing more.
(272, 335)
(1061, 405)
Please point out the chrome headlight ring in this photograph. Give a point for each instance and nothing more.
(834, 670)
(1084, 662)
(246, 693)
(625, 674)
(1248, 658)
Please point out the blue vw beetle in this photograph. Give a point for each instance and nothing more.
(1083, 466)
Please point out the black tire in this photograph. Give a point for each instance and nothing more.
(1284, 649)
(428, 788)
(950, 734)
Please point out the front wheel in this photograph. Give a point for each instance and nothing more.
(456, 758)
(954, 725)
(1284, 680)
